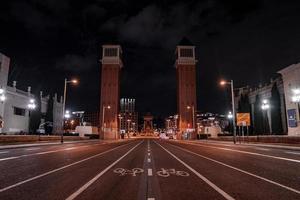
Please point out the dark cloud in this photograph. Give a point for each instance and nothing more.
(244, 40)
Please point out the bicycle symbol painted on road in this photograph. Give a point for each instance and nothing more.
(132, 172)
(168, 172)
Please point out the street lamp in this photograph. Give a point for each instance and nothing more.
(230, 115)
(265, 106)
(103, 115)
(120, 123)
(233, 106)
(193, 115)
(128, 126)
(2, 95)
(31, 105)
(74, 81)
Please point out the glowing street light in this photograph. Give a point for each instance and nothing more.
(74, 81)
(265, 104)
(103, 115)
(2, 95)
(230, 115)
(223, 83)
(67, 114)
(31, 105)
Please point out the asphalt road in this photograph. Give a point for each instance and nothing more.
(149, 169)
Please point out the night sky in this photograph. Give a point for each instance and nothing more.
(247, 41)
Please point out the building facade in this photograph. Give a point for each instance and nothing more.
(128, 117)
(260, 95)
(291, 85)
(186, 89)
(15, 112)
(110, 91)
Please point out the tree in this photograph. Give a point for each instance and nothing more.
(258, 117)
(49, 116)
(276, 111)
(35, 116)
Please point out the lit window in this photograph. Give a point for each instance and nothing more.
(186, 53)
(111, 52)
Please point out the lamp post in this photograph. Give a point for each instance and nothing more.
(74, 81)
(193, 116)
(103, 116)
(120, 122)
(128, 126)
(133, 127)
(233, 106)
(265, 106)
(31, 106)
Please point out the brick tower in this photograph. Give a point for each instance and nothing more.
(186, 89)
(110, 87)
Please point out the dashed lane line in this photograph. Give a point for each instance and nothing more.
(293, 152)
(245, 152)
(32, 149)
(211, 184)
(149, 160)
(240, 170)
(90, 182)
(2, 152)
(59, 169)
(150, 173)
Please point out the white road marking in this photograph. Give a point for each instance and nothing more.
(293, 152)
(148, 154)
(245, 152)
(219, 190)
(57, 169)
(32, 149)
(150, 172)
(1, 152)
(150, 198)
(71, 148)
(148, 150)
(263, 149)
(90, 182)
(240, 170)
(44, 152)
(149, 160)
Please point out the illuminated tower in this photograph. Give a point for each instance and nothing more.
(186, 88)
(110, 87)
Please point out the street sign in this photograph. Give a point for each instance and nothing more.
(243, 119)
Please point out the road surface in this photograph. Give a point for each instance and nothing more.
(149, 169)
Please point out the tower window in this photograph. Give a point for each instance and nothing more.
(186, 53)
(111, 52)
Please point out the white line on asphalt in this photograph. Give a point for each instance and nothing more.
(149, 160)
(150, 198)
(32, 149)
(150, 172)
(240, 170)
(90, 182)
(58, 169)
(293, 152)
(71, 148)
(148, 154)
(263, 149)
(219, 190)
(245, 152)
(45, 152)
(1, 152)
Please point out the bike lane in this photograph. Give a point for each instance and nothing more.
(122, 180)
(175, 180)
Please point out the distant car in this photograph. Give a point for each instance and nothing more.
(171, 137)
